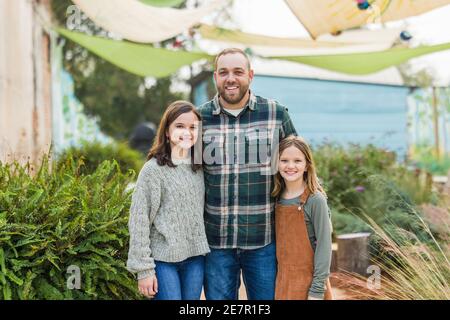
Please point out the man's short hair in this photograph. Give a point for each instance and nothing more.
(230, 51)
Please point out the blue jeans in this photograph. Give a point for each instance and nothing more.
(223, 268)
(180, 280)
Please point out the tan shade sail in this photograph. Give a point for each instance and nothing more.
(139, 22)
(350, 41)
(331, 16)
(227, 35)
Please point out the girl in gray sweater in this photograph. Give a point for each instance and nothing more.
(167, 235)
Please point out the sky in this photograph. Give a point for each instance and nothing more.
(274, 18)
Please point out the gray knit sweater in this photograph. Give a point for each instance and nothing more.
(166, 217)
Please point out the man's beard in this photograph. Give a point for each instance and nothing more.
(242, 91)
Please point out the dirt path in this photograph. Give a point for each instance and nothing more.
(338, 293)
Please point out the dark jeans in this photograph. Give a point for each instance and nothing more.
(223, 268)
(180, 280)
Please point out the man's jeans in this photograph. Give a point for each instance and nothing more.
(222, 273)
(180, 280)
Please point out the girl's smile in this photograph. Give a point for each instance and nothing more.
(183, 132)
(292, 164)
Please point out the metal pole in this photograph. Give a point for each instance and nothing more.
(436, 122)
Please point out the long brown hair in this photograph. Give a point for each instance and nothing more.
(310, 176)
(161, 149)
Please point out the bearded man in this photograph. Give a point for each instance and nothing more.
(241, 132)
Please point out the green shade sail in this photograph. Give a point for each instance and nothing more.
(140, 59)
(163, 3)
(365, 63)
(145, 60)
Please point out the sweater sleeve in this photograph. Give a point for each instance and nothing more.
(322, 255)
(144, 206)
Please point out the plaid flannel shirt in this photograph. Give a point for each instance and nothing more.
(238, 169)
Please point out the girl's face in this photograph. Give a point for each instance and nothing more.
(292, 164)
(183, 132)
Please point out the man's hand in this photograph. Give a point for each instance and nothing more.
(148, 286)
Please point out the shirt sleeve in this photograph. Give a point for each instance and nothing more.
(321, 221)
(144, 206)
(287, 127)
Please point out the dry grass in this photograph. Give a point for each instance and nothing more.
(410, 269)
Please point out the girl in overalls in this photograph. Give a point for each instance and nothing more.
(303, 226)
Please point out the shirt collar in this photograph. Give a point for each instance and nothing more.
(216, 104)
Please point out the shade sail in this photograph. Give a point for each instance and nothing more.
(140, 59)
(139, 22)
(365, 63)
(162, 3)
(330, 16)
(350, 41)
(227, 35)
(145, 60)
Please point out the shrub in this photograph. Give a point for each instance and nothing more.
(344, 170)
(56, 218)
(367, 180)
(92, 154)
(426, 159)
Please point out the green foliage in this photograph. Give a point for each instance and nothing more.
(426, 159)
(412, 77)
(344, 171)
(368, 181)
(54, 218)
(92, 154)
(119, 99)
(113, 95)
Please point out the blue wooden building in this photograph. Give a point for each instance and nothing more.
(328, 107)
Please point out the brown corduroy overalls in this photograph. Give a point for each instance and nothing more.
(295, 255)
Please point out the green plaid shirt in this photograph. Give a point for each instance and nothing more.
(238, 170)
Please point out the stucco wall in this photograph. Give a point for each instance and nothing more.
(25, 80)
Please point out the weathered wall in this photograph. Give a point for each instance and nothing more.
(25, 80)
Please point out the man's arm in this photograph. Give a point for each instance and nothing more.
(287, 127)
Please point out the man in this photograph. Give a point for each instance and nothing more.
(240, 132)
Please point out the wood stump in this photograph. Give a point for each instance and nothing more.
(353, 252)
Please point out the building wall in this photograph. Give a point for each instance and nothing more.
(25, 80)
(340, 112)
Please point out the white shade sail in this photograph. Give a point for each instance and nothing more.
(138, 22)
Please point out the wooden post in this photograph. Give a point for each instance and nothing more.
(436, 123)
(353, 253)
